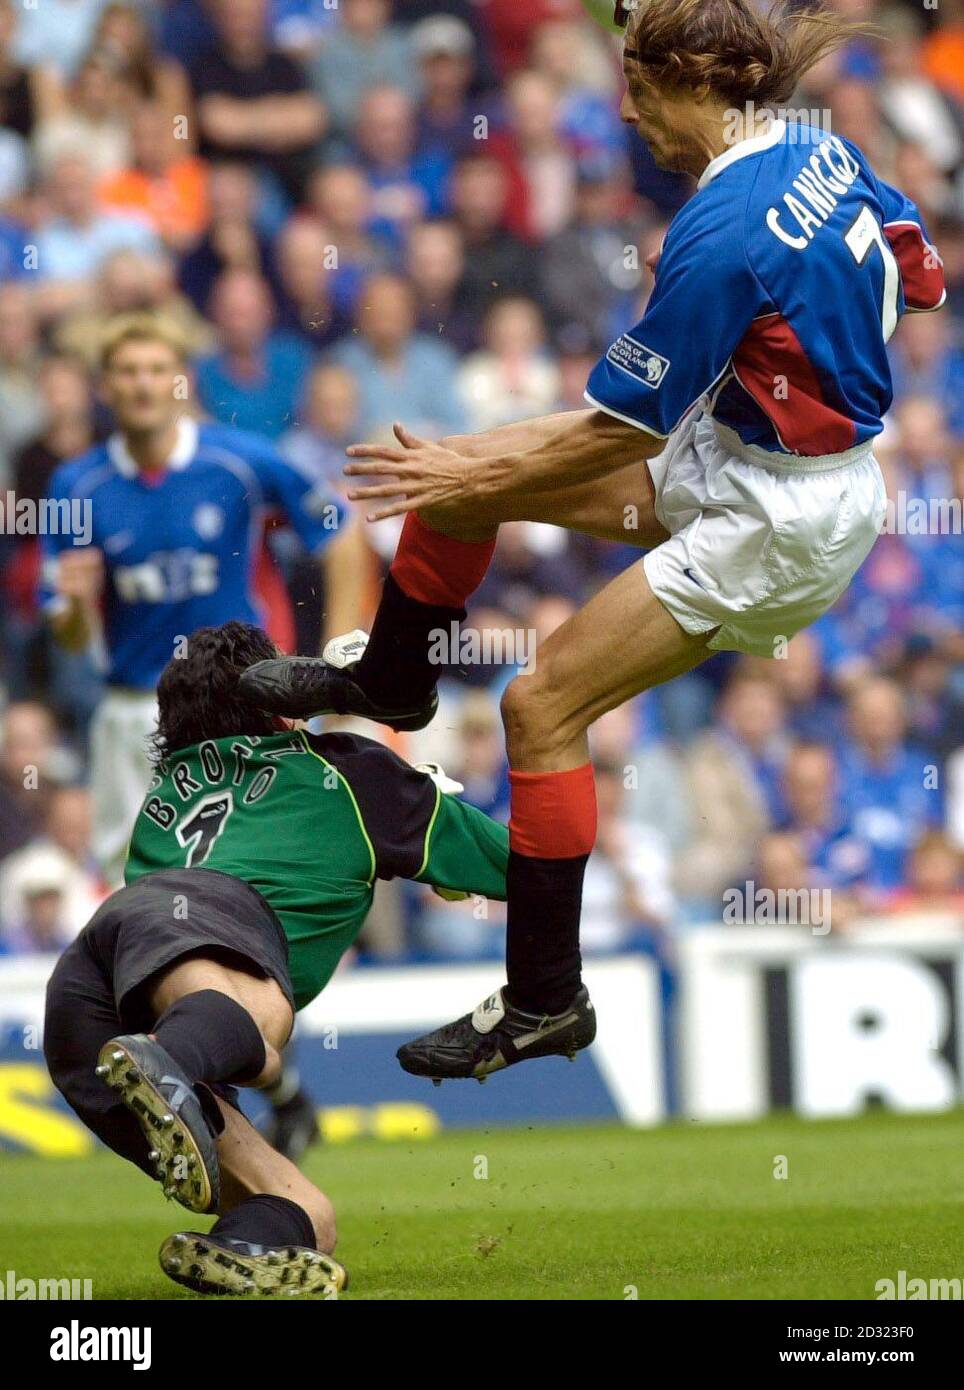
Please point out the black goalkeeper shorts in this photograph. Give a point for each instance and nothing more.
(99, 986)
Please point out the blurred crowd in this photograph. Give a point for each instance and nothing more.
(428, 210)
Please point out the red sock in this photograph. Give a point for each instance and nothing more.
(551, 832)
(425, 592)
(553, 813)
(436, 569)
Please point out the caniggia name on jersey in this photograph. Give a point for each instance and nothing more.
(827, 176)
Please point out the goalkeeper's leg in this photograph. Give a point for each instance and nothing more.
(276, 1230)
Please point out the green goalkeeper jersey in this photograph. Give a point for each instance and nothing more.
(311, 821)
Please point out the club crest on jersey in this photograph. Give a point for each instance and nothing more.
(638, 361)
(208, 521)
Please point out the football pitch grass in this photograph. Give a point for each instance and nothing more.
(688, 1211)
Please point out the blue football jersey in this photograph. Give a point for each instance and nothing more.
(180, 551)
(778, 286)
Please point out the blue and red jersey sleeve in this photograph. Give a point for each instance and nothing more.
(705, 299)
(921, 268)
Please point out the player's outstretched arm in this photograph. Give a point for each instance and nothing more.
(415, 829)
(522, 434)
(466, 851)
(454, 486)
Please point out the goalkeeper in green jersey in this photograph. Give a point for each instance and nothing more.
(251, 869)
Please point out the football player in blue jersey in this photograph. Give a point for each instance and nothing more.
(175, 509)
(753, 389)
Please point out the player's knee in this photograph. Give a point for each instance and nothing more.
(533, 713)
(270, 1073)
(517, 710)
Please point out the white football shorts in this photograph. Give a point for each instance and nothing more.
(120, 773)
(760, 544)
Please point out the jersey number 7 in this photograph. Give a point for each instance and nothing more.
(861, 236)
(199, 830)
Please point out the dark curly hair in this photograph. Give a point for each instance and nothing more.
(198, 695)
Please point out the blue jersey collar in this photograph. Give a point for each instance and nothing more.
(183, 452)
(741, 150)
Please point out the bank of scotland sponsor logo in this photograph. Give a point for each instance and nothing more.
(638, 361)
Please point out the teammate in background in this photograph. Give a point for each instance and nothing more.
(753, 388)
(175, 511)
(251, 872)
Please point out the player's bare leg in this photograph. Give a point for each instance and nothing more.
(216, 1023)
(292, 1122)
(249, 1166)
(623, 642)
(276, 1229)
(262, 999)
(213, 1023)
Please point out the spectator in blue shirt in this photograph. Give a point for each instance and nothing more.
(886, 604)
(893, 793)
(482, 768)
(947, 577)
(447, 120)
(923, 454)
(330, 423)
(406, 187)
(800, 675)
(363, 52)
(924, 361)
(836, 857)
(256, 379)
(304, 255)
(340, 196)
(301, 26)
(77, 238)
(57, 33)
(401, 374)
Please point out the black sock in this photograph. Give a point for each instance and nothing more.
(212, 1037)
(267, 1220)
(542, 933)
(395, 670)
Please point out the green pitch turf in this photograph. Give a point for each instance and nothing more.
(687, 1211)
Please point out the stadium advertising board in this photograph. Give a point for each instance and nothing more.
(779, 1018)
(346, 1045)
(766, 1019)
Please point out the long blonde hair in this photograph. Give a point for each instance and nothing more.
(727, 48)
